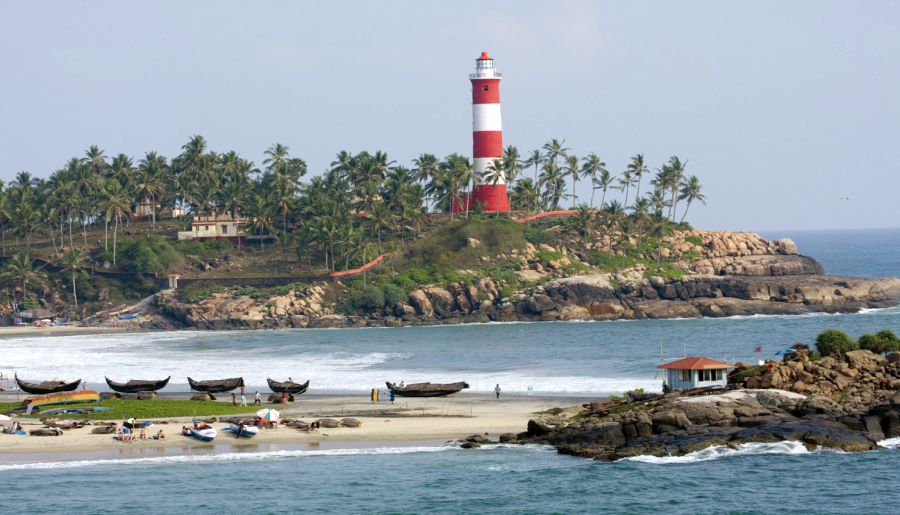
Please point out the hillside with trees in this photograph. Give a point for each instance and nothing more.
(64, 237)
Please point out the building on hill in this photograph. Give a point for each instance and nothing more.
(695, 372)
(214, 227)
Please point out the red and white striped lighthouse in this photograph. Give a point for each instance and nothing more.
(487, 134)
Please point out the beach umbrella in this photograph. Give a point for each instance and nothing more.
(269, 415)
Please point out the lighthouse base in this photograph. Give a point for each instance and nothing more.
(492, 198)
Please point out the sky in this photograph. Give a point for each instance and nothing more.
(788, 112)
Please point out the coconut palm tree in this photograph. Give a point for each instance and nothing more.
(625, 181)
(691, 191)
(676, 166)
(553, 183)
(20, 268)
(73, 262)
(116, 205)
(524, 194)
(572, 170)
(512, 164)
(603, 183)
(554, 149)
(535, 159)
(638, 169)
(593, 165)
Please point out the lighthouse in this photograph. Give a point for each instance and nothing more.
(487, 135)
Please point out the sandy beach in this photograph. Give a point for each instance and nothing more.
(406, 421)
(28, 330)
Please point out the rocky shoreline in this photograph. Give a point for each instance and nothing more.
(849, 404)
(724, 274)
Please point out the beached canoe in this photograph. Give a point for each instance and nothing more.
(138, 385)
(61, 398)
(204, 432)
(46, 387)
(216, 385)
(243, 430)
(427, 389)
(46, 431)
(288, 387)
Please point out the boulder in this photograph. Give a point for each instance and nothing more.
(538, 303)
(420, 302)
(441, 300)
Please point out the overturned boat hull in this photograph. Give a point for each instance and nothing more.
(427, 389)
(46, 387)
(216, 385)
(138, 385)
(288, 387)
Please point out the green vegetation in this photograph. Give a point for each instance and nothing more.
(694, 240)
(115, 213)
(882, 341)
(121, 410)
(834, 342)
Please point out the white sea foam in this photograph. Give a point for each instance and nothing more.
(256, 456)
(716, 452)
(331, 369)
(890, 443)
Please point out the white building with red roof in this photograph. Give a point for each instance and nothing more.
(695, 372)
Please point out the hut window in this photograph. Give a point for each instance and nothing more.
(685, 375)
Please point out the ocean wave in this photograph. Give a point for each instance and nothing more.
(717, 452)
(257, 456)
(890, 443)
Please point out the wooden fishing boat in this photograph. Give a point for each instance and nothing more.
(288, 387)
(138, 385)
(427, 389)
(46, 431)
(46, 387)
(204, 432)
(61, 398)
(243, 430)
(216, 385)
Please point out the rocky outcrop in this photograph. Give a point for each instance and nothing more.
(722, 274)
(848, 404)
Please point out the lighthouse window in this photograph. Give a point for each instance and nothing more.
(484, 88)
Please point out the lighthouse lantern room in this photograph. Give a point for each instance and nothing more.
(487, 138)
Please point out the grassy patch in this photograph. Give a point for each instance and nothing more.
(545, 256)
(694, 240)
(121, 410)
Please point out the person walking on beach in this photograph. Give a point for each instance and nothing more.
(243, 400)
(258, 399)
(497, 391)
(233, 399)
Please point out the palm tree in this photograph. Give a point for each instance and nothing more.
(612, 214)
(20, 268)
(638, 169)
(625, 182)
(524, 194)
(639, 211)
(116, 204)
(592, 165)
(512, 164)
(535, 159)
(426, 166)
(603, 183)
(554, 183)
(572, 170)
(691, 191)
(554, 150)
(73, 262)
(675, 180)
(151, 181)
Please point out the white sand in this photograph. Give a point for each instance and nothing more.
(407, 420)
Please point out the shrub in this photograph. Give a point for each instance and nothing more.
(151, 254)
(536, 235)
(287, 288)
(882, 341)
(370, 298)
(834, 342)
(393, 294)
(576, 268)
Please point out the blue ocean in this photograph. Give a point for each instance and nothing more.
(587, 358)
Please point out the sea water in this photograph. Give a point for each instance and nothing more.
(591, 358)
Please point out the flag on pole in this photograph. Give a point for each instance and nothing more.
(758, 349)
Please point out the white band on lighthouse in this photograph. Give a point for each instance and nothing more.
(480, 165)
(486, 117)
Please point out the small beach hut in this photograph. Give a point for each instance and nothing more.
(695, 372)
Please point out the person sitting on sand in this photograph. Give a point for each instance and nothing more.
(159, 435)
(143, 435)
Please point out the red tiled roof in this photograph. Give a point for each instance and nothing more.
(695, 363)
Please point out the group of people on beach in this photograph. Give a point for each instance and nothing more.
(257, 399)
(125, 432)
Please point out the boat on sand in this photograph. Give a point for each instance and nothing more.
(216, 385)
(45, 387)
(60, 398)
(287, 387)
(427, 389)
(203, 432)
(138, 385)
(243, 430)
